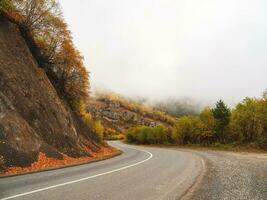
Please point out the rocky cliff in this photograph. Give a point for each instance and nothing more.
(33, 118)
(119, 114)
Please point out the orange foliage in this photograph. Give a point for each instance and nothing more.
(45, 162)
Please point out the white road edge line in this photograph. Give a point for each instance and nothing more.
(83, 179)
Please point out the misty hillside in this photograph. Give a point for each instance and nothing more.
(178, 107)
(118, 114)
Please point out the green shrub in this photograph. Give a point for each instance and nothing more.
(222, 114)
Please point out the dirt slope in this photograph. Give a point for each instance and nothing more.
(33, 118)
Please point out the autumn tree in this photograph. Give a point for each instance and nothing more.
(187, 130)
(51, 44)
(35, 14)
(249, 121)
(207, 125)
(72, 77)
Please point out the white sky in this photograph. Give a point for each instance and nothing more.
(204, 49)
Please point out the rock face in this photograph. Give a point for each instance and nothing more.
(116, 116)
(32, 116)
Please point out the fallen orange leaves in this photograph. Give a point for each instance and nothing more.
(45, 162)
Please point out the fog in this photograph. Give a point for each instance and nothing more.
(157, 49)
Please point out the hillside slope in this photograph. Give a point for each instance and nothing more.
(33, 118)
(119, 113)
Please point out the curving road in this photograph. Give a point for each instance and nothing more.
(149, 173)
(139, 173)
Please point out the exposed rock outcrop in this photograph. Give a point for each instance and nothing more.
(119, 117)
(32, 116)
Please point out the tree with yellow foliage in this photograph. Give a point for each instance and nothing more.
(50, 42)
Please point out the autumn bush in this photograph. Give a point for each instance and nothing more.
(94, 125)
(111, 134)
(147, 135)
(186, 130)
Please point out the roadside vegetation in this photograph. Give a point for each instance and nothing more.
(148, 135)
(244, 125)
(111, 134)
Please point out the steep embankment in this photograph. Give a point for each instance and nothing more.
(33, 118)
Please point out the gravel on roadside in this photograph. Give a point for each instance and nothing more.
(231, 176)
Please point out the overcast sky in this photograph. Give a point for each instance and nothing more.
(204, 49)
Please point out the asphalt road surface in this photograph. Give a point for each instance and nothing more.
(139, 173)
(149, 173)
